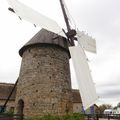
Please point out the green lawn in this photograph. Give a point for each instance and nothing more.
(75, 116)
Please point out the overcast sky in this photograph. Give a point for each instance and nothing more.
(99, 18)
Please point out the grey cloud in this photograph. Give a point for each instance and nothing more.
(110, 94)
(110, 90)
(113, 81)
(110, 84)
(9, 76)
(98, 16)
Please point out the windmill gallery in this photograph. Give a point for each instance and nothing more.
(44, 83)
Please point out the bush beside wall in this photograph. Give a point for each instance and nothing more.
(75, 116)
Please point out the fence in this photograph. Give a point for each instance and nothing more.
(102, 116)
(11, 117)
(87, 116)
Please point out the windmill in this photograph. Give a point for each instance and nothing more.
(85, 42)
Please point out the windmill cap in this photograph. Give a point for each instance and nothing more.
(44, 37)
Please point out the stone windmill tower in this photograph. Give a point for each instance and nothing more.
(44, 85)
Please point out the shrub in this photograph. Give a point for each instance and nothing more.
(8, 113)
(78, 116)
(75, 116)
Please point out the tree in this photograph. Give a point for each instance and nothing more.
(103, 107)
(118, 105)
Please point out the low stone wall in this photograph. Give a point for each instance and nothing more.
(10, 105)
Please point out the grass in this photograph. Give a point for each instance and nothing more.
(75, 116)
(7, 113)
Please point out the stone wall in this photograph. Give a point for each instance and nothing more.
(10, 105)
(44, 82)
(77, 107)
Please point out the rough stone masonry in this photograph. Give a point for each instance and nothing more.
(44, 85)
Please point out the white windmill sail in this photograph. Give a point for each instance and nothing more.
(35, 17)
(86, 85)
(87, 42)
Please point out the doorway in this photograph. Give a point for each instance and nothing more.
(20, 107)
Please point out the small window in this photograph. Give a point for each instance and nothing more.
(12, 109)
(36, 90)
(29, 50)
(33, 104)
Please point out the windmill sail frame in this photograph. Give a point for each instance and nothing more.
(83, 75)
(36, 18)
(87, 42)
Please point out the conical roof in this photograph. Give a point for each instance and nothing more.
(45, 37)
